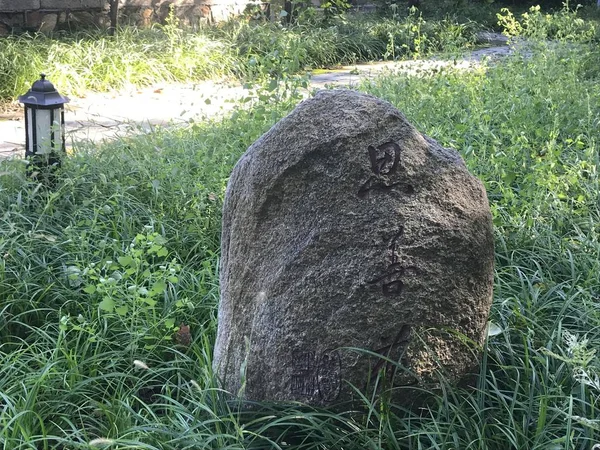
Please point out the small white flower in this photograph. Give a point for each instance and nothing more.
(140, 364)
(100, 442)
(73, 270)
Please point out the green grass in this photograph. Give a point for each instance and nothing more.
(239, 49)
(254, 51)
(101, 270)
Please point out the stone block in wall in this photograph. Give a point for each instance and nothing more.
(44, 22)
(205, 16)
(87, 19)
(220, 13)
(33, 19)
(18, 5)
(145, 17)
(189, 12)
(217, 2)
(12, 20)
(140, 3)
(188, 15)
(72, 4)
(48, 23)
(139, 16)
(162, 12)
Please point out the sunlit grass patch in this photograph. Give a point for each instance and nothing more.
(238, 49)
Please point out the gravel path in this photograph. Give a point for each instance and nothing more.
(104, 116)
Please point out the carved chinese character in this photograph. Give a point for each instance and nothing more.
(329, 375)
(393, 247)
(303, 361)
(303, 384)
(392, 354)
(391, 281)
(303, 377)
(384, 158)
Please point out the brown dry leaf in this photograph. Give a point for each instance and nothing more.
(183, 336)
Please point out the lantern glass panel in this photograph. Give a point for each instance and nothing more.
(57, 130)
(43, 131)
(29, 130)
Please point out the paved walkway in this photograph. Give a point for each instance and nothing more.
(105, 116)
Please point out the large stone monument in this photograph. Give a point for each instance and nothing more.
(355, 252)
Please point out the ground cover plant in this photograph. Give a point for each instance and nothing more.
(101, 275)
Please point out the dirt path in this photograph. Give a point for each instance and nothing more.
(105, 116)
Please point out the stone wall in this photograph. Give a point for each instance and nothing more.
(50, 15)
(189, 12)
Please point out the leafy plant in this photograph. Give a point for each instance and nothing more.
(564, 25)
(134, 286)
(334, 9)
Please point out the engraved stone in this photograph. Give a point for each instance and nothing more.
(356, 253)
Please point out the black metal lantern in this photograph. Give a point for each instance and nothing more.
(44, 123)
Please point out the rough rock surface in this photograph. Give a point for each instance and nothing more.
(347, 235)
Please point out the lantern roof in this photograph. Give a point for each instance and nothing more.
(43, 93)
